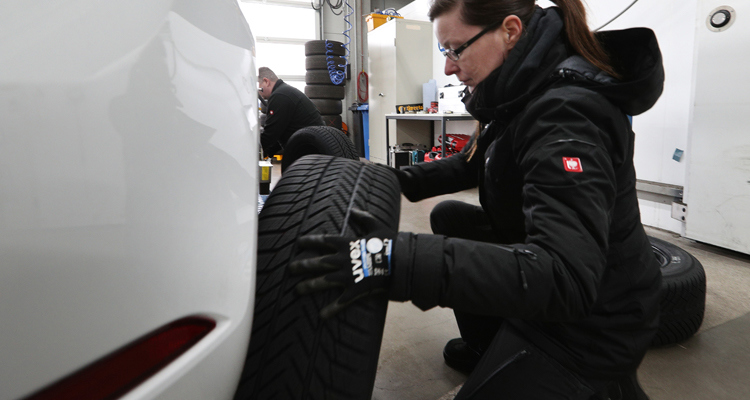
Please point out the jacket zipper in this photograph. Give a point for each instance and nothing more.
(520, 252)
(507, 362)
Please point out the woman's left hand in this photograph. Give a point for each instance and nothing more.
(361, 263)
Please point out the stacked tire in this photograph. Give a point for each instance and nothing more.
(325, 78)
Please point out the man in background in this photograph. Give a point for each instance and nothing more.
(288, 111)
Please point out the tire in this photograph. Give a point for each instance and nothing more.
(328, 106)
(321, 77)
(293, 354)
(321, 62)
(683, 293)
(333, 120)
(325, 92)
(318, 47)
(317, 140)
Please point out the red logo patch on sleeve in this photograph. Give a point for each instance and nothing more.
(572, 164)
(270, 112)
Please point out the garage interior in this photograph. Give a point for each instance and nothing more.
(713, 364)
(124, 174)
(710, 365)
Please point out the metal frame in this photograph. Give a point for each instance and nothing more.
(659, 192)
(443, 118)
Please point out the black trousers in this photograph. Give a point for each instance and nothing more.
(466, 221)
(512, 367)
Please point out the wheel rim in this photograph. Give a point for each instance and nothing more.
(661, 256)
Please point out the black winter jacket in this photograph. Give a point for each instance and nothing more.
(289, 110)
(576, 273)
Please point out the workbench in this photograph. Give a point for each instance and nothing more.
(443, 118)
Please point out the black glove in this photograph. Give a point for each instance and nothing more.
(404, 178)
(361, 263)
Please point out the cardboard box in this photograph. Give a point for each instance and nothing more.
(374, 20)
(409, 108)
(449, 99)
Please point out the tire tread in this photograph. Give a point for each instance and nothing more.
(683, 295)
(292, 353)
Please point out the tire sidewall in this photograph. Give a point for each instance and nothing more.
(320, 77)
(682, 296)
(324, 140)
(328, 106)
(319, 47)
(679, 262)
(325, 92)
(323, 62)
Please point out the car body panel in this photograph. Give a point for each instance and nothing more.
(128, 187)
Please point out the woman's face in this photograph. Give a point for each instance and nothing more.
(483, 56)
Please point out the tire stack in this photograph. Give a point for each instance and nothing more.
(325, 78)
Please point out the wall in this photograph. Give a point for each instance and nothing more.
(663, 130)
(333, 27)
(418, 10)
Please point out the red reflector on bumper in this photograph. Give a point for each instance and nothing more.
(117, 373)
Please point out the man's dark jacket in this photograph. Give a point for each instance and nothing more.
(288, 111)
(576, 275)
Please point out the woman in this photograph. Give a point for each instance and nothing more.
(552, 280)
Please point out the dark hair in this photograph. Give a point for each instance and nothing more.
(484, 13)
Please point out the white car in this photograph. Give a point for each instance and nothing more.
(128, 198)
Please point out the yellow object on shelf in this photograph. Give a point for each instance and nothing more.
(265, 176)
(374, 20)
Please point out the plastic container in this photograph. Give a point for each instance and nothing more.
(360, 132)
(375, 20)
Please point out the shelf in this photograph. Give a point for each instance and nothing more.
(443, 118)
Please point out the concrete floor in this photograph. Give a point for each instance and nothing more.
(713, 364)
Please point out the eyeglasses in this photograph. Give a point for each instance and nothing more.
(454, 54)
